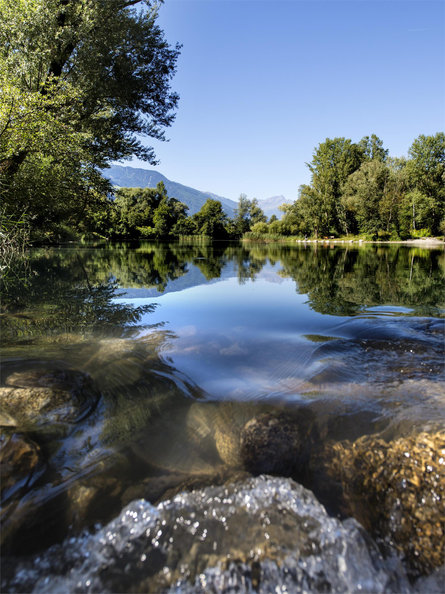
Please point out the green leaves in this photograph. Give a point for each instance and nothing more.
(359, 189)
(211, 220)
(247, 215)
(82, 82)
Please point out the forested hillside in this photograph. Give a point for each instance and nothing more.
(133, 177)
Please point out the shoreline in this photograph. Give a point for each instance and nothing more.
(426, 242)
(423, 241)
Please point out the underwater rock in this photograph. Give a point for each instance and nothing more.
(219, 425)
(260, 535)
(40, 396)
(271, 444)
(252, 438)
(396, 490)
(20, 462)
(165, 446)
(7, 420)
(86, 500)
(115, 363)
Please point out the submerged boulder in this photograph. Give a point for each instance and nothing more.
(20, 462)
(39, 397)
(394, 489)
(253, 438)
(259, 535)
(271, 443)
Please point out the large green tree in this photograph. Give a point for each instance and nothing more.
(211, 220)
(372, 147)
(83, 82)
(426, 170)
(332, 162)
(362, 195)
(247, 214)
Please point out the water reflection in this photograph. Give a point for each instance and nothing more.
(338, 281)
(183, 344)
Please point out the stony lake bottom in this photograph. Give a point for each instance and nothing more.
(213, 416)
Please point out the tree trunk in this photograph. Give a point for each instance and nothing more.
(9, 167)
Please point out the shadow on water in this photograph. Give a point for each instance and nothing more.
(96, 411)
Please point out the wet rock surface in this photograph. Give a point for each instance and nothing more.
(396, 490)
(253, 536)
(20, 462)
(40, 396)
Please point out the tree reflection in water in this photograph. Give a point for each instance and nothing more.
(63, 312)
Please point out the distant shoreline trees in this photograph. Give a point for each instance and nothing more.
(357, 189)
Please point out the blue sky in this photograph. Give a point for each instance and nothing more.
(263, 82)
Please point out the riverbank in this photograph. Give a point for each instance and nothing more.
(422, 242)
(427, 242)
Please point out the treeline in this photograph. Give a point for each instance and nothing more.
(358, 189)
(148, 213)
(355, 189)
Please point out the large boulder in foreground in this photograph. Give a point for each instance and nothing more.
(259, 535)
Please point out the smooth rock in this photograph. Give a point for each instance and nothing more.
(43, 396)
(20, 462)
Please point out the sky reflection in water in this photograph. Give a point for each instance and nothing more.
(260, 339)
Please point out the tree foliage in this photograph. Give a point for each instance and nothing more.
(332, 162)
(83, 82)
(211, 220)
(359, 189)
(247, 215)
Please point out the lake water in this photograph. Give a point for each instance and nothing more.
(187, 342)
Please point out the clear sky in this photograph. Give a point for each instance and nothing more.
(263, 82)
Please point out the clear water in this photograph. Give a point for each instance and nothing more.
(185, 341)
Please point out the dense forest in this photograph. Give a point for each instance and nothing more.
(85, 84)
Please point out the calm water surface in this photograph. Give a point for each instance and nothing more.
(184, 340)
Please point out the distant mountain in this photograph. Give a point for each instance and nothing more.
(270, 205)
(133, 177)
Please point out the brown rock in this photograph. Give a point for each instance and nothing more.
(397, 491)
(19, 460)
(271, 444)
(38, 396)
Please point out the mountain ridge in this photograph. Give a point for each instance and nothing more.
(136, 177)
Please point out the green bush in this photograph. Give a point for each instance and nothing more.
(419, 233)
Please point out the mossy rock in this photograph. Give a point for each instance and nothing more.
(396, 490)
